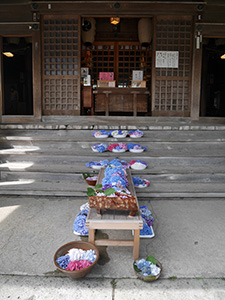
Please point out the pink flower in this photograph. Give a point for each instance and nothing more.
(78, 265)
(112, 146)
(132, 162)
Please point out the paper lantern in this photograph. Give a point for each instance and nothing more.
(88, 31)
(145, 31)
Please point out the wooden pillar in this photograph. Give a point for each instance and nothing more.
(1, 83)
(196, 83)
(36, 58)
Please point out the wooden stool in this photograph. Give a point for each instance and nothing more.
(114, 220)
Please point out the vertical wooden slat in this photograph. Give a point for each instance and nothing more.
(1, 79)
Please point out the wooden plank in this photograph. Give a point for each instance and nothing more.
(106, 242)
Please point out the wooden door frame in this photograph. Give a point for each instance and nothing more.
(14, 29)
(210, 30)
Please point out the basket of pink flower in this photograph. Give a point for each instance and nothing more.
(76, 259)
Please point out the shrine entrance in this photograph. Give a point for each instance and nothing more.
(17, 76)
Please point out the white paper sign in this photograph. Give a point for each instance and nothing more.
(167, 59)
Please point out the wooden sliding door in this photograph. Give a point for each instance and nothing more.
(61, 65)
(171, 86)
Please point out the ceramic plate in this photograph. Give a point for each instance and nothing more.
(141, 186)
(97, 167)
(135, 137)
(79, 234)
(146, 236)
(118, 151)
(136, 150)
(101, 136)
(119, 136)
(140, 167)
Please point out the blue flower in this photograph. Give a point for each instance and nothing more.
(79, 223)
(138, 181)
(63, 261)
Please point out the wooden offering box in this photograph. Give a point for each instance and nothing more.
(116, 203)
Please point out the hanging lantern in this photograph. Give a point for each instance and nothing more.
(88, 31)
(145, 31)
(114, 20)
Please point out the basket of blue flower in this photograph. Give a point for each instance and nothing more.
(148, 269)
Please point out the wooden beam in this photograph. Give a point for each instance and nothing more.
(104, 8)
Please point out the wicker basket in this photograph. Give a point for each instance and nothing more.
(149, 278)
(116, 203)
(80, 245)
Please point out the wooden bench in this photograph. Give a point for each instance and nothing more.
(115, 220)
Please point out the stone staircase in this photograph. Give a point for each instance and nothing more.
(48, 159)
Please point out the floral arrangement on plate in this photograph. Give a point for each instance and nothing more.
(140, 183)
(138, 165)
(147, 230)
(101, 134)
(117, 147)
(135, 148)
(135, 133)
(79, 223)
(99, 147)
(148, 269)
(90, 179)
(97, 165)
(119, 133)
(79, 227)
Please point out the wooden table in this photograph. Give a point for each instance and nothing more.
(115, 220)
(121, 100)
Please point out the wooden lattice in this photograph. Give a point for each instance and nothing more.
(118, 57)
(172, 85)
(61, 91)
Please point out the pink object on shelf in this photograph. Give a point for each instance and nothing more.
(106, 76)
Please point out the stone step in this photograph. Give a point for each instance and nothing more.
(86, 135)
(182, 161)
(77, 164)
(156, 149)
(74, 185)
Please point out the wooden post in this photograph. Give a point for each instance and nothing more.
(91, 236)
(107, 102)
(196, 83)
(135, 103)
(136, 244)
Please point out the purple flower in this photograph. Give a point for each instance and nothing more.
(106, 186)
